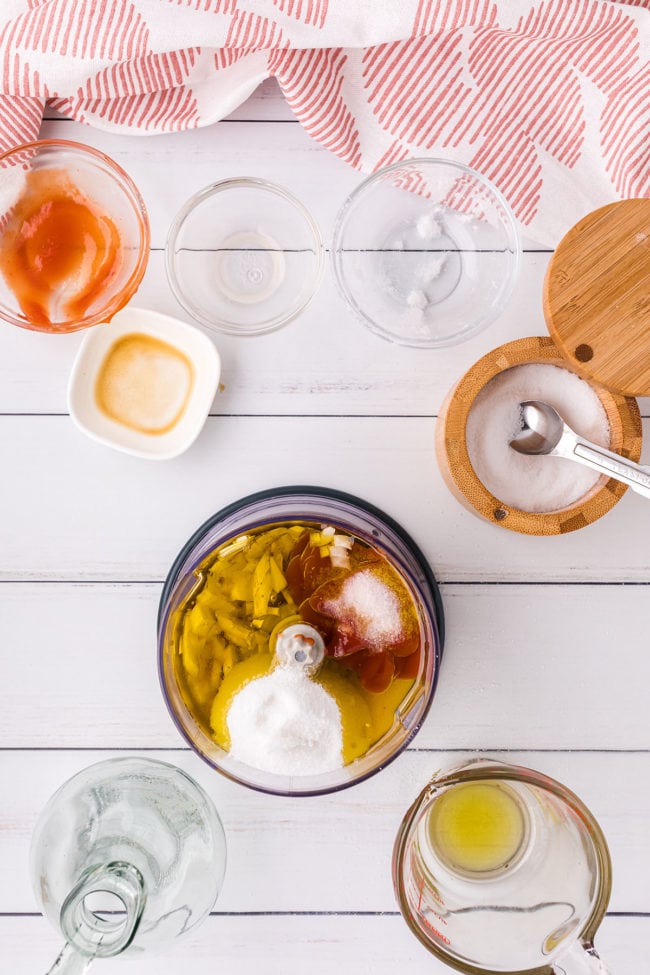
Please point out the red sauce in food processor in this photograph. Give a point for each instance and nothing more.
(363, 611)
(58, 250)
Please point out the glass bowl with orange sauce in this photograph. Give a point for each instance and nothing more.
(74, 236)
(270, 564)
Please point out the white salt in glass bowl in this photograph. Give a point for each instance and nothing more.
(196, 347)
(244, 256)
(426, 252)
(346, 513)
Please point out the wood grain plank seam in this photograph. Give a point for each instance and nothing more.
(282, 416)
(412, 750)
(36, 914)
(565, 583)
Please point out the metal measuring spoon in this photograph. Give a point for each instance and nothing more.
(543, 431)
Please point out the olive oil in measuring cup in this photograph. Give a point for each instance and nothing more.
(498, 868)
(478, 828)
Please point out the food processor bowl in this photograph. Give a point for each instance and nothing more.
(317, 507)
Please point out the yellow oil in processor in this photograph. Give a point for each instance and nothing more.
(477, 827)
(225, 631)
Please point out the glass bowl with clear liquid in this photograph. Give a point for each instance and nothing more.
(244, 256)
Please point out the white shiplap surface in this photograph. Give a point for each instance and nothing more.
(547, 660)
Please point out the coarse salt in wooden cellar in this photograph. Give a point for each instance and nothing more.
(596, 301)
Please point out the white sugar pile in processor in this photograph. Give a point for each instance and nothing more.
(287, 724)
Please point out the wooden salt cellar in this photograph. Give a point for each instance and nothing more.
(597, 307)
(459, 475)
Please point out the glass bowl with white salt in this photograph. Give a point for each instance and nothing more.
(244, 256)
(426, 252)
(300, 635)
(541, 494)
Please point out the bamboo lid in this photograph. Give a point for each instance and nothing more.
(597, 297)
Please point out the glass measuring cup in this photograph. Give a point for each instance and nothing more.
(128, 854)
(498, 869)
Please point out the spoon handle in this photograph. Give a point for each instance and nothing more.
(600, 459)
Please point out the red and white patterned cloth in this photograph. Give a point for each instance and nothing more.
(550, 99)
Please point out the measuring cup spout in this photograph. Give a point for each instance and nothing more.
(581, 959)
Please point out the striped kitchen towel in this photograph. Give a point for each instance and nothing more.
(550, 99)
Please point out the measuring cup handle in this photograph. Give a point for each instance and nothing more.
(70, 962)
(581, 959)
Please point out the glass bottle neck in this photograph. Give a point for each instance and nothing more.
(94, 933)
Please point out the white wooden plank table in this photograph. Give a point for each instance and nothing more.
(547, 660)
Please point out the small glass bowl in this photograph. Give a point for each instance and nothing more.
(106, 186)
(426, 252)
(367, 523)
(244, 256)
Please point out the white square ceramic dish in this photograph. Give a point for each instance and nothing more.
(192, 343)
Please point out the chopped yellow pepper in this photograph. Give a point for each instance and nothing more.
(262, 586)
(278, 580)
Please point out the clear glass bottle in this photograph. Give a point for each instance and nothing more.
(129, 854)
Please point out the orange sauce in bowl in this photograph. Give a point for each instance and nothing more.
(59, 251)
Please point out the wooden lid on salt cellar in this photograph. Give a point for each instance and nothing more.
(597, 297)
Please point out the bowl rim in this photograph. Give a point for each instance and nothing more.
(312, 491)
(128, 186)
(221, 324)
(337, 251)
